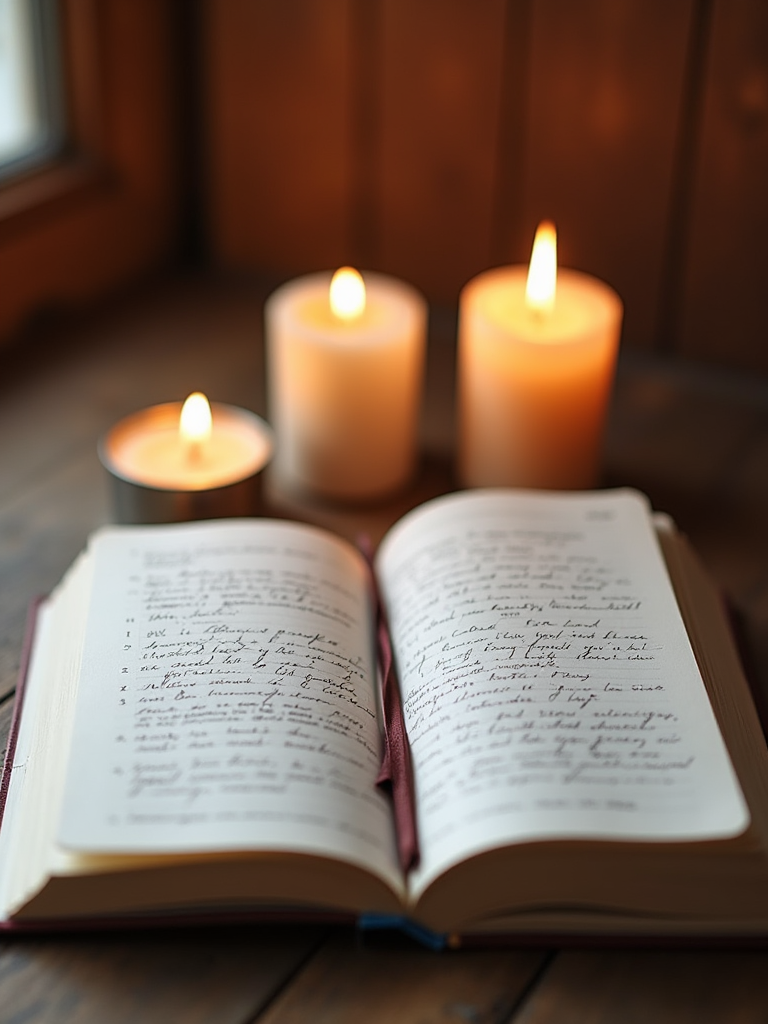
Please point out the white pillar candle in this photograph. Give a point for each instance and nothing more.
(534, 377)
(345, 387)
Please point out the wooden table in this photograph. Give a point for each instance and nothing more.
(695, 440)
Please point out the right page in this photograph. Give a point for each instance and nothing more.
(549, 686)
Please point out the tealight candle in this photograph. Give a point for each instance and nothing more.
(345, 361)
(537, 351)
(177, 461)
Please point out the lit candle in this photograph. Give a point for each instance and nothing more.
(537, 351)
(345, 360)
(186, 461)
(195, 427)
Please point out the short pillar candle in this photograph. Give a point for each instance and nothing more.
(535, 377)
(345, 385)
(181, 461)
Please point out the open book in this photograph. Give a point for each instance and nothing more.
(201, 728)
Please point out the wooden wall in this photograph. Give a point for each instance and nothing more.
(426, 138)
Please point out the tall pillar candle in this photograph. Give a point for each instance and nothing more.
(345, 386)
(534, 379)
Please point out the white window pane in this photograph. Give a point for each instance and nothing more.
(22, 126)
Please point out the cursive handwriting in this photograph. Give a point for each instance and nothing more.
(542, 664)
(244, 694)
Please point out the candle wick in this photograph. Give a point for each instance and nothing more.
(194, 452)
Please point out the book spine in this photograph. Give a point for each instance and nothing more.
(396, 771)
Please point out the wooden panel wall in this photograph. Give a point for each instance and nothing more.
(725, 277)
(279, 130)
(606, 86)
(441, 65)
(426, 138)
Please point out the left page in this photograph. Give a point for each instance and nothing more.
(226, 699)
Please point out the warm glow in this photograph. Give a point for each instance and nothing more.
(542, 272)
(347, 294)
(195, 422)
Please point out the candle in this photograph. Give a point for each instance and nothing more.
(345, 360)
(193, 461)
(537, 351)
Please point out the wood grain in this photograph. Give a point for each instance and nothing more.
(696, 444)
(42, 533)
(347, 982)
(278, 124)
(639, 986)
(696, 441)
(725, 301)
(441, 71)
(58, 397)
(603, 118)
(222, 976)
(427, 139)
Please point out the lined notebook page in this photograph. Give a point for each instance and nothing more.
(227, 697)
(549, 686)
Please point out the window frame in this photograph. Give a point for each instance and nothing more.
(103, 208)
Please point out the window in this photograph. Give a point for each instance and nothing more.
(30, 84)
(99, 203)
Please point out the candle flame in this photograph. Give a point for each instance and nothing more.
(347, 294)
(195, 423)
(542, 271)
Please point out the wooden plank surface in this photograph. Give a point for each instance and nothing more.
(224, 976)
(347, 983)
(57, 401)
(696, 442)
(43, 530)
(663, 987)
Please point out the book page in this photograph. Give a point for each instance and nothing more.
(226, 699)
(36, 780)
(549, 687)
